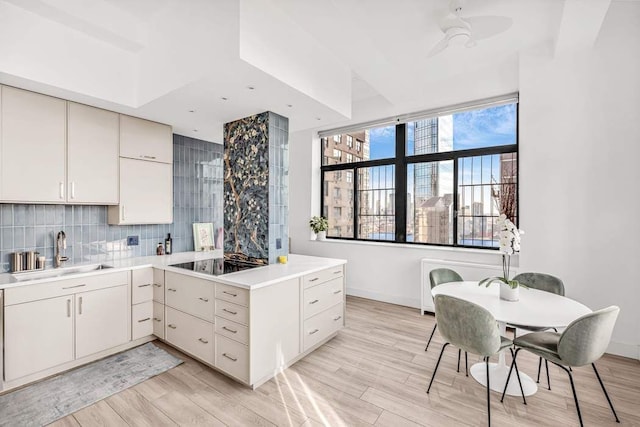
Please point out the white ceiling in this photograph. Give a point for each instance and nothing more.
(320, 63)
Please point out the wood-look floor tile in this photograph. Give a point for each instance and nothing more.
(184, 412)
(138, 411)
(99, 414)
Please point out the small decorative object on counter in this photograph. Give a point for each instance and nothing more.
(160, 249)
(41, 262)
(168, 246)
(282, 259)
(16, 262)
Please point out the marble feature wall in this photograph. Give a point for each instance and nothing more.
(197, 185)
(256, 163)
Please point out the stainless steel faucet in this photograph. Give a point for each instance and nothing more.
(61, 243)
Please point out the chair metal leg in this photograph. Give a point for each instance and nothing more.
(605, 392)
(573, 389)
(431, 336)
(514, 355)
(466, 364)
(546, 366)
(488, 396)
(539, 369)
(437, 364)
(459, 352)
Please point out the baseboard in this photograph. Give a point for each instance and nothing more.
(631, 351)
(377, 296)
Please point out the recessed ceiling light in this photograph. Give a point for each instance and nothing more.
(195, 130)
(192, 111)
(224, 98)
(250, 87)
(318, 118)
(289, 105)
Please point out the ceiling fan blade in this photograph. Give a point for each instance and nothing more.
(483, 27)
(442, 45)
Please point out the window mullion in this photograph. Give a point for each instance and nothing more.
(400, 185)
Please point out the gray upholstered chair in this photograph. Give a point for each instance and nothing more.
(542, 282)
(437, 277)
(582, 343)
(471, 328)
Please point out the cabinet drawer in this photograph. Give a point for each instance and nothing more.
(322, 325)
(158, 285)
(141, 320)
(231, 311)
(141, 285)
(158, 320)
(190, 334)
(322, 276)
(190, 295)
(323, 296)
(233, 330)
(232, 294)
(64, 287)
(146, 140)
(232, 358)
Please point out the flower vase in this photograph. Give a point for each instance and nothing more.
(508, 293)
(322, 235)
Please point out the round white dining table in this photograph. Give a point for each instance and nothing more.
(534, 308)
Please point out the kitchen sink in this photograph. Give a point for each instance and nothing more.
(57, 272)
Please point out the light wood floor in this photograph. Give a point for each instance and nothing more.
(375, 372)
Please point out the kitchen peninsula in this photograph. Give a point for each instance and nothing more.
(247, 324)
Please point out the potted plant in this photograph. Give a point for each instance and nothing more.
(319, 225)
(509, 245)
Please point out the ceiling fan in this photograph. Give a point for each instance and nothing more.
(468, 30)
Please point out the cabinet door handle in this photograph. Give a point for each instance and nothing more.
(171, 289)
(157, 319)
(62, 190)
(171, 326)
(233, 359)
(314, 331)
(230, 330)
(314, 301)
(203, 341)
(144, 320)
(337, 318)
(337, 272)
(230, 312)
(73, 189)
(68, 308)
(76, 286)
(144, 286)
(204, 299)
(80, 305)
(123, 212)
(230, 293)
(157, 285)
(337, 292)
(314, 279)
(148, 157)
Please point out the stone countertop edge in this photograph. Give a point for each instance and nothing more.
(297, 265)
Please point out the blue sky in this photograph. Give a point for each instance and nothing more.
(471, 129)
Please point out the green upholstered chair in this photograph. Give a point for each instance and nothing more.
(541, 282)
(582, 343)
(437, 277)
(471, 328)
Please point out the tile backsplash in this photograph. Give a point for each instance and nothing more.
(197, 197)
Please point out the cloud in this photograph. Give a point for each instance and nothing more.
(485, 128)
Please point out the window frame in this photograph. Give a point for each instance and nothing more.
(401, 161)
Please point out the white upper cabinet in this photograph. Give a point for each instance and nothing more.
(92, 155)
(146, 193)
(32, 151)
(145, 140)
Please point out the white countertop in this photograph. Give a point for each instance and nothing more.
(296, 266)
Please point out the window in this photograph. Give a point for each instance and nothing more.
(337, 154)
(349, 141)
(438, 180)
(336, 139)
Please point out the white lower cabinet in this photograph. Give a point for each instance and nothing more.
(142, 320)
(322, 325)
(193, 335)
(38, 335)
(68, 324)
(232, 357)
(101, 320)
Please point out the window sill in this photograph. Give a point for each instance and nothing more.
(408, 246)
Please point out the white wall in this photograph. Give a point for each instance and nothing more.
(579, 144)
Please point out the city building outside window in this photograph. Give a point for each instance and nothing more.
(336, 139)
(439, 180)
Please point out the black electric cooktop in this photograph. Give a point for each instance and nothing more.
(216, 266)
